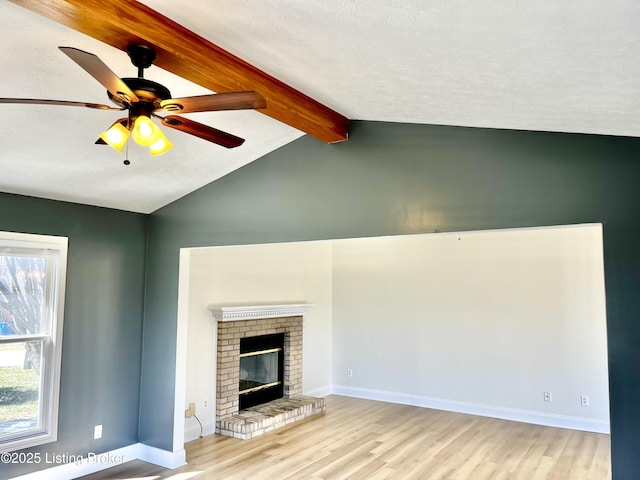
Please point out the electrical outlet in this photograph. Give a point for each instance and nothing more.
(97, 432)
(206, 403)
(192, 410)
(349, 372)
(546, 396)
(584, 400)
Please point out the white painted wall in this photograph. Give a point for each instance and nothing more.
(256, 275)
(479, 322)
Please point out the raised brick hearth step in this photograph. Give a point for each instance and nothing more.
(264, 418)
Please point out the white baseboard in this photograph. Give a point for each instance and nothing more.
(319, 392)
(193, 433)
(163, 458)
(94, 462)
(517, 415)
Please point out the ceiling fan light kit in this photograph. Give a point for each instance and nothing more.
(143, 98)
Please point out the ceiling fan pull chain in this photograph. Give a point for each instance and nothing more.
(126, 155)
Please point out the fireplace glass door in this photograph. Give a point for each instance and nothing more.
(261, 369)
(258, 370)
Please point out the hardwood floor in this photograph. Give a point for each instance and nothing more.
(364, 439)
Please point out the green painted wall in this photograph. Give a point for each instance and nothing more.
(102, 337)
(393, 179)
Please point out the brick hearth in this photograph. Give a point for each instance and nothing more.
(264, 418)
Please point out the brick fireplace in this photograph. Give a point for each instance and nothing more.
(235, 323)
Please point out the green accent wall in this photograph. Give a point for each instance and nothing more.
(102, 338)
(394, 179)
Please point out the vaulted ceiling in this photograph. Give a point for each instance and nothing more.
(543, 65)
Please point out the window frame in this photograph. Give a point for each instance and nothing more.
(56, 248)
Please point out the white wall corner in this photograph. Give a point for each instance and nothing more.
(181, 349)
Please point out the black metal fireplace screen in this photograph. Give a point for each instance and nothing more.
(261, 369)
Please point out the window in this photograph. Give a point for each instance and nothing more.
(32, 282)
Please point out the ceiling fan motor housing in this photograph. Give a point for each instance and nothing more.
(147, 91)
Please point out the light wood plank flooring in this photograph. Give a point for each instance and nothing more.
(364, 439)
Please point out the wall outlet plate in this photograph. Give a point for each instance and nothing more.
(97, 432)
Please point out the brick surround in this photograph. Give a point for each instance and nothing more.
(228, 370)
(237, 322)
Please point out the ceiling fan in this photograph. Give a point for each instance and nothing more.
(144, 98)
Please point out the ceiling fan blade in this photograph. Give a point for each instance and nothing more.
(35, 101)
(214, 102)
(203, 131)
(98, 70)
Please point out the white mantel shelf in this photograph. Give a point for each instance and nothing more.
(253, 312)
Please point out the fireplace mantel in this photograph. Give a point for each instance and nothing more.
(253, 312)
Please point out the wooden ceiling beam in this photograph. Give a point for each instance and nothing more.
(180, 51)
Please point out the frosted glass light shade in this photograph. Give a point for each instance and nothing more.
(116, 136)
(160, 146)
(145, 132)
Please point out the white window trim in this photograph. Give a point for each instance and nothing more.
(52, 350)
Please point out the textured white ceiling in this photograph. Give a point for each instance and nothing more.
(570, 66)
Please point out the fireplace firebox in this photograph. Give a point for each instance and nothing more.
(261, 369)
